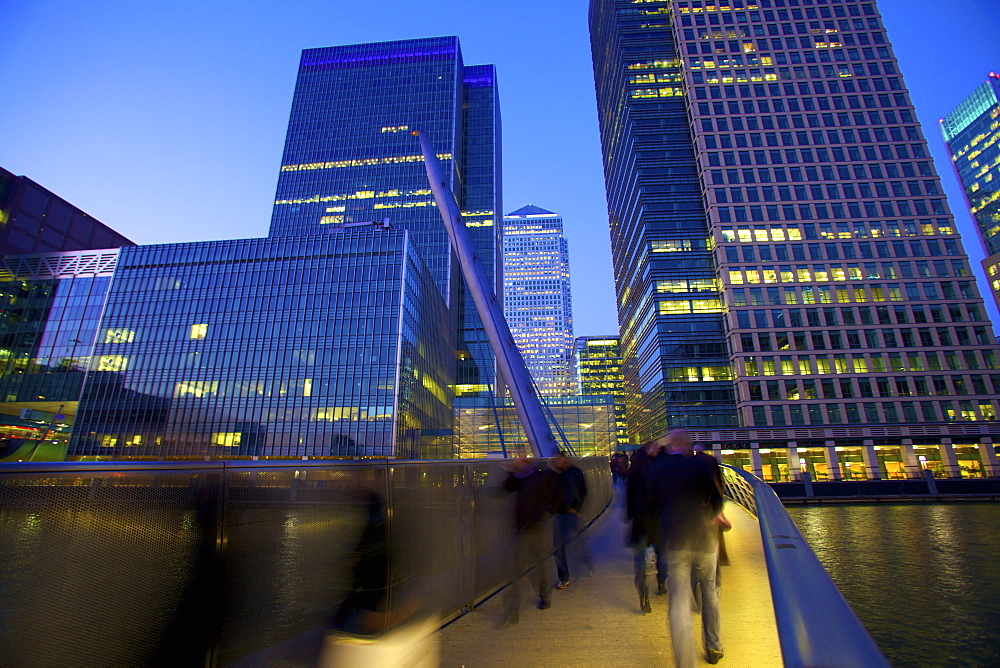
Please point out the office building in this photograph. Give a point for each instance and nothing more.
(597, 361)
(35, 220)
(350, 157)
(346, 332)
(204, 350)
(972, 133)
(790, 283)
(537, 299)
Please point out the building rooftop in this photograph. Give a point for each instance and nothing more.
(530, 210)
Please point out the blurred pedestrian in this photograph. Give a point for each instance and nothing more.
(688, 505)
(573, 487)
(640, 510)
(715, 470)
(623, 465)
(537, 495)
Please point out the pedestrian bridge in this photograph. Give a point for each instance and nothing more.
(247, 563)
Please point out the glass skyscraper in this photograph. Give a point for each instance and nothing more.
(789, 279)
(537, 298)
(325, 345)
(350, 157)
(972, 134)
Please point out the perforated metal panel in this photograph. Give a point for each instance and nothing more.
(172, 565)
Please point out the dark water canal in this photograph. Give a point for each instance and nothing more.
(923, 578)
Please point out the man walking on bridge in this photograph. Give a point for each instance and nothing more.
(641, 511)
(687, 503)
(573, 487)
(537, 495)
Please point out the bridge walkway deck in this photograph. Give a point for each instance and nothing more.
(596, 621)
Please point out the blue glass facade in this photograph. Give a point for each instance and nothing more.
(50, 310)
(673, 332)
(972, 134)
(323, 345)
(349, 156)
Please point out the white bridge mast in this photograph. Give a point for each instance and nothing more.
(522, 390)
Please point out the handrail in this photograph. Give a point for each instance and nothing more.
(816, 626)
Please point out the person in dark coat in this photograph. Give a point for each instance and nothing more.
(573, 487)
(537, 496)
(688, 511)
(716, 472)
(640, 511)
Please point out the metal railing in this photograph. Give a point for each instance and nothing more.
(816, 626)
(211, 562)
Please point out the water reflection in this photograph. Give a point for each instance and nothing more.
(924, 579)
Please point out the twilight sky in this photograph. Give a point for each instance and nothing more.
(166, 120)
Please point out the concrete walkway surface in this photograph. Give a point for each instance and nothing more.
(596, 621)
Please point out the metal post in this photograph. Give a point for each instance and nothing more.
(522, 391)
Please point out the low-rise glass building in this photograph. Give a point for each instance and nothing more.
(585, 425)
(303, 346)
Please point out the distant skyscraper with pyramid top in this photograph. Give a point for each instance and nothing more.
(537, 299)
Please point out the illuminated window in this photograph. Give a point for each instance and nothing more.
(229, 439)
(706, 306)
(112, 363)
(198, 332)
(674, 307)
(196, 388)
(678, 245)
(119, 335)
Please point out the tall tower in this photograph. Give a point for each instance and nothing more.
(783, 253)
(350, 157)
(537, 300)
(972, 133)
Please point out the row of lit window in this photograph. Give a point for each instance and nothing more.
(751, 254)
(734, 9)
(686, 306)
(647, 93)
(360, 194)
(360, 162)
(710, 62)
(826, 295)
(867, 363)
(873, 229)
(820, 274)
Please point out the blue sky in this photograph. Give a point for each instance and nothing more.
(166, 120)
